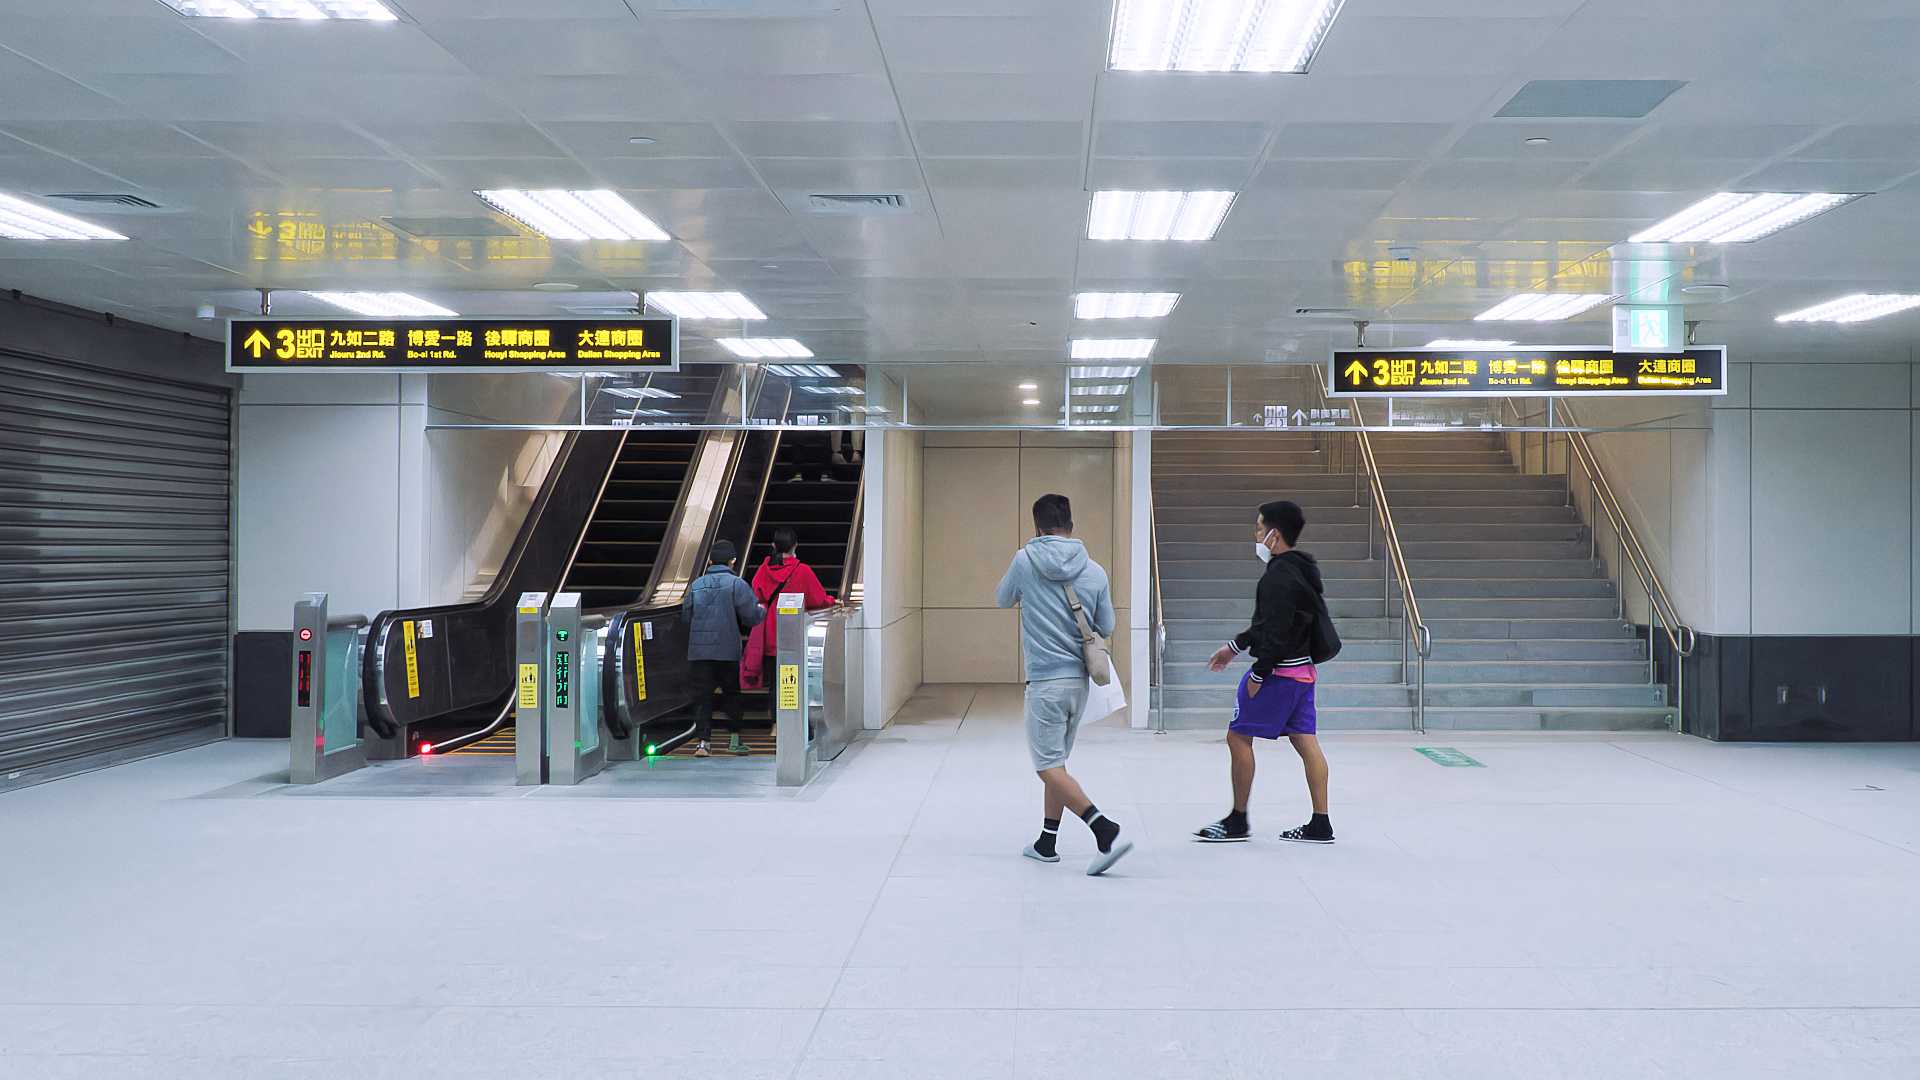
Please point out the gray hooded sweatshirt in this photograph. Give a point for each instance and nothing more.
(1036, 581)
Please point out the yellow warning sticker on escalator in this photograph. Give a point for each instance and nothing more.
(529, 686)
(413, 660)
(789, 686)
(639, 663)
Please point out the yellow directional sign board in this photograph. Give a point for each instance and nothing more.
(1570, 372)
(632, 343)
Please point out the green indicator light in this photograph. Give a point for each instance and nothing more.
(652, 749)
(561, 635)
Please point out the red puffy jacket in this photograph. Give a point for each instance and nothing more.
(787, 576)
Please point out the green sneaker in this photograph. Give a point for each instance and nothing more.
(738, 747)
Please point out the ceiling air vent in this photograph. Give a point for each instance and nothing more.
(102, 198)
(1324, 313)
(858, 204)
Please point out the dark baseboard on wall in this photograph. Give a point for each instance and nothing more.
(262, 684)
(1799, 689)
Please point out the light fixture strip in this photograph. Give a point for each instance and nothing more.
(1105, 371)
(1219, 35)
(1731, 217)
(22, 220)
(574, 215)
(706, 305)
(1112, 348)
(1542, 307)
(765, 348)
(384, 305)
(1157, 215)
(1860, 307)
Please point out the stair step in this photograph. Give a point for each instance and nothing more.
(1331, 718)
(1438, 608)
(1350, 588)
(1439, 695)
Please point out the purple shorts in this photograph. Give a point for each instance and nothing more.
(1284, 707)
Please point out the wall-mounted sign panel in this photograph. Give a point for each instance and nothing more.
(1555, 370)
(633, 343)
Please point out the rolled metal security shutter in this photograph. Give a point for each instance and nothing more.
(113, 565)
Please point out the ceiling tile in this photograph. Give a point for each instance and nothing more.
(1190, 138)
(820, 139)
(1000, 138)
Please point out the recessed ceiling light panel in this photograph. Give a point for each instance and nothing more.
(384, 305)
(1124, 305)
(1157, 215)
(1101, 389)
(574, 215)
(706, 305)
(1106, 371)
(1219, 35)
(1859, 307)
(802, 371)
(1735, 217)
(22, 220)
(1542, 307)
(766, 348)
(353, 10)
(1112, 348)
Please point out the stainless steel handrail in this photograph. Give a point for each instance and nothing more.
(1416, 639)
(1158, 670)
(1416, 643)
(1662, 613)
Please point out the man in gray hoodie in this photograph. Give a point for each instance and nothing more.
(1057, 668)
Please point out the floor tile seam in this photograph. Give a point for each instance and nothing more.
(1246, 1009)
(926, 794)
(1761, 798)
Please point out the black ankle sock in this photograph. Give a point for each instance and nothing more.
(1236, 821)
(1104, 829)
(1049, 834)
(1320, 825)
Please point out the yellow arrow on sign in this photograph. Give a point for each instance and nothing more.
(1355, 372)
(256, 342)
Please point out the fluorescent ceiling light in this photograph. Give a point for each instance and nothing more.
(765, 348)
(641, 392)
(1029, 386)
(1856, 308)
(574, 215)
(1102, 390)
(1466, 343)
(1112, 348)
(384, 305)
(1096, 409)
(1738, 217)
(1157, 215)
(1542, 307)
(802, 371)
(22, 220)
(1219, 35)
(1106, 371)
(1031, 401)
(361, 10)
(1124, 305)
(705, 305)
(839, 391)
(644, 412)
(863, 410)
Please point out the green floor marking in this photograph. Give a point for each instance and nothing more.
(1448, 757)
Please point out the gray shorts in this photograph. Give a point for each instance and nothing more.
(1053, 718)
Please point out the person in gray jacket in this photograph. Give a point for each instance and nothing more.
(1057, 669)
(720, 608)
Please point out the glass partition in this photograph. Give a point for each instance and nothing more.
(986, 395)
(340, 725)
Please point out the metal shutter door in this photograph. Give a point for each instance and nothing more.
(113, 565)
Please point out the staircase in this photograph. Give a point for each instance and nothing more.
(1527, 629)
(630, 524)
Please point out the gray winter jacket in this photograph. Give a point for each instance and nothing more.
(720, 608)
(1037, 581)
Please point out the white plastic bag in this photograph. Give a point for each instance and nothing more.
(1104, 701)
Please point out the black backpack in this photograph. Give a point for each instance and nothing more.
(1323, 641)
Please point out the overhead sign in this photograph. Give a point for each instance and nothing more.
(1553, 370)
(631, 343)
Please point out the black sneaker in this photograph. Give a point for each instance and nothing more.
(1221, 833)
(1307, 834)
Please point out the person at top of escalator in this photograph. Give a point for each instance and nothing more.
(783, 572)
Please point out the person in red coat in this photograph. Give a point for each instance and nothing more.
(783, 572)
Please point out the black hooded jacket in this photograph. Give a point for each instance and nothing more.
(1285, 604)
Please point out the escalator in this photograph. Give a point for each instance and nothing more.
(624, 518)
(616, 560)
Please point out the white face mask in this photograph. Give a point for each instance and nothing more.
(1260, 550)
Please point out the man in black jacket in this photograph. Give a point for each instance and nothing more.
(1276, 694)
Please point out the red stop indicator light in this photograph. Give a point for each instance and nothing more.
(306, 634)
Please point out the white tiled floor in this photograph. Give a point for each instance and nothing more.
(1646, 906)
